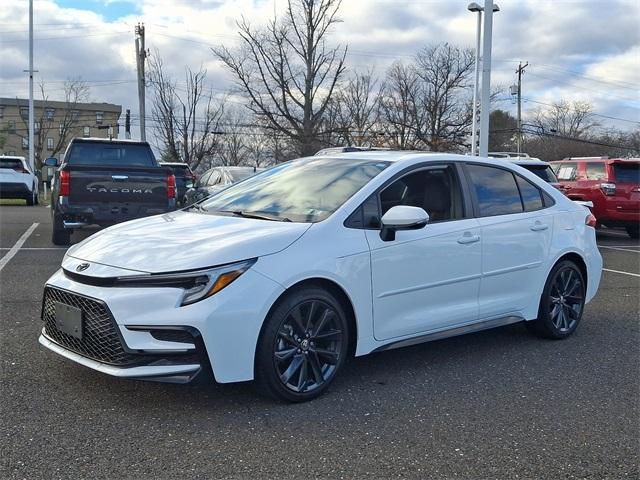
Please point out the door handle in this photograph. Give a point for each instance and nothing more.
(119, 177)
(538, 227)
(468, 238)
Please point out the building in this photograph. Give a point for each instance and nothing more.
(56, 123)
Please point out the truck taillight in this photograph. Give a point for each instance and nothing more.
(65, 183)
(171, 186)
(590, 220)
(608, 189)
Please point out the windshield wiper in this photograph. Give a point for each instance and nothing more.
(258, 215)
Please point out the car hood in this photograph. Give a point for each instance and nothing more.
(184, 241)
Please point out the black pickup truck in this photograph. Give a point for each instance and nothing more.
(102, 182)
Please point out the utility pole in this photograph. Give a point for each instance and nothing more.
(127, 124)
(31, 113)
(485, 98)
(141, 55)
(520, 71)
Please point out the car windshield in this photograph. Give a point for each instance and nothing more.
(304, 190)
(544, 172)
(627, 173)
(104, 153)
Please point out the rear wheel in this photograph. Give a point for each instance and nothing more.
(60, 235)
(32, 198)
(562, 302)
(633, 231)
(303, 345)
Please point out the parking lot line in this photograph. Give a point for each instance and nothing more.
(621, 272)
(619, 249)
(11, 253)
(36, 248)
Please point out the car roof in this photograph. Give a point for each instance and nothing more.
(14, 157)
(108, 140)
(525, 162)
(598, 159)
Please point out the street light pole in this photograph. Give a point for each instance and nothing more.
(485, 97)
(31, 113)
(474, 7)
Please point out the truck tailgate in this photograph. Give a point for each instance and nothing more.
(108, 184)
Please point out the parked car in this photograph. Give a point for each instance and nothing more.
(540, 168)
(17, 179)
(281, 277)
(102, 182)
(335, 150)
(611, 184)
(215, 179)
(185, 179)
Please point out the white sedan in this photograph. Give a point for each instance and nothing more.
(283, 276)
(17, 180)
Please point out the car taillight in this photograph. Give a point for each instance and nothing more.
(590, 220)
(171, 186)
(65, 183)
(608, 188)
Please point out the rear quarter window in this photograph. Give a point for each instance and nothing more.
(627, 173)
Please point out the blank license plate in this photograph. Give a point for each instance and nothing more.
(69, 320)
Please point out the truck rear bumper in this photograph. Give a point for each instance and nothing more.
(105, 214)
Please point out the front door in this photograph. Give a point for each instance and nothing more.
(426, 279)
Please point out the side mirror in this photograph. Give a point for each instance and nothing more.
(402, 217)
(51, 162)
(189, 185)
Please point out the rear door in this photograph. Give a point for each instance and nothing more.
(516, 234)
(115, 173)
(567, 173)
(626, 177)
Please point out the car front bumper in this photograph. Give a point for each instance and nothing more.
(226, 327)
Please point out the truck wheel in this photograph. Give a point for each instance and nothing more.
(60, 235)
(633, 231)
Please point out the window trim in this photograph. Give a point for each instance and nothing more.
(467, 209)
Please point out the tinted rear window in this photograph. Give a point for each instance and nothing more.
(110, 154)
(544, 172)
(627, 173)
(11, 163)
(238, 175)
(496, 190)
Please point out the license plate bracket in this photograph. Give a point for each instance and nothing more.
(69, 320)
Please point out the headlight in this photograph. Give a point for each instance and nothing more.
(196, 285)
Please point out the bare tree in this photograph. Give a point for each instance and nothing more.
(397, 106)
(573, 119)
(442, 115)
(66, 120)
(287, 70)
(357, 109)
(233, 149)
(186, 119)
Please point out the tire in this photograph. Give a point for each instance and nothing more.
(32, 198)
(60, 235)
(562, 302)
(302, 346)
(633, 231)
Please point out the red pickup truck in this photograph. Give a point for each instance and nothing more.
(612, 184)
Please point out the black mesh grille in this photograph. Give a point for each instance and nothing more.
(100, 340)
(180, 336)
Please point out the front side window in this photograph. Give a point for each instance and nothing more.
(567, 171)
(435, 190)
(305, 190)
(214, 179)
(496, 190)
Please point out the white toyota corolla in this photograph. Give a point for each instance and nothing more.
(280, 278)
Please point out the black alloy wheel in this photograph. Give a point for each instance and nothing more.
(562, 302)
(303, 345)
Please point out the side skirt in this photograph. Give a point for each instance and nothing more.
(453, 332)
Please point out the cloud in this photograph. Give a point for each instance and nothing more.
(575, 49)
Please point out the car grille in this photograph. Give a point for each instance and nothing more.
(100, 340)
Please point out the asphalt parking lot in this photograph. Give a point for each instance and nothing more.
(496, 404)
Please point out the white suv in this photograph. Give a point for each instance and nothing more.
(281, 277)
(17, 180)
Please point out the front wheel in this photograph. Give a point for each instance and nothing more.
(562, 302)
(303, 345)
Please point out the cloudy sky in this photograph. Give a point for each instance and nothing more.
(576, 49)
